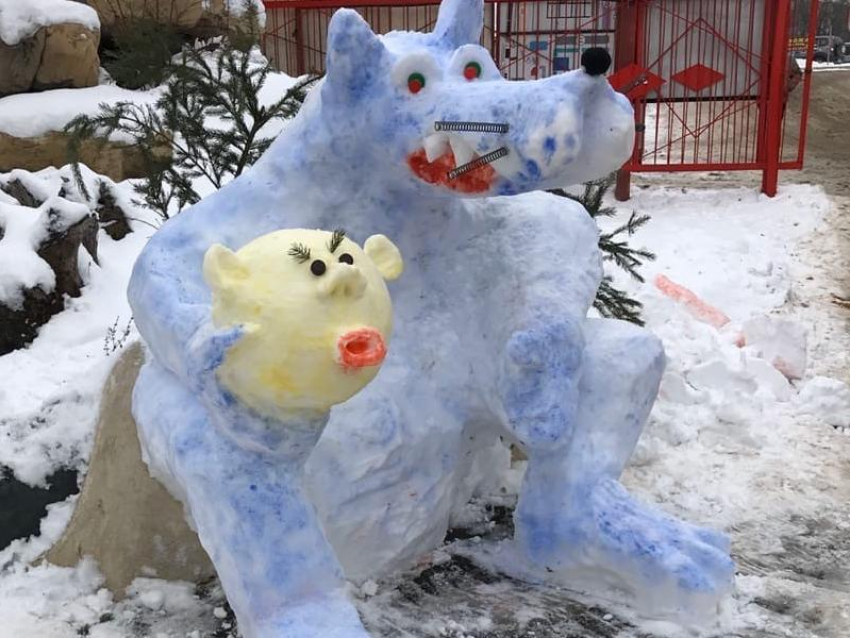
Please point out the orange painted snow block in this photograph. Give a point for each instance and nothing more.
(696, 306)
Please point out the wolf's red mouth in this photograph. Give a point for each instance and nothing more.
(479, 180)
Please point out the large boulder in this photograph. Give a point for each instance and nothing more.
(47, 44)
(181, 14)
(125, 519)
(70, 58)
(20, 63)
(195, 18)
(114, 159)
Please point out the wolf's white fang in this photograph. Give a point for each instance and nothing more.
(462, 151)
(435, 145)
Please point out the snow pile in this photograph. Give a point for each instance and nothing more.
(50, 203)
(19, 19)
(34, 114)
(826, 398)
(20, 266)
(779, 341)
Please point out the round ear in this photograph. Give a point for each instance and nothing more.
(385, 255)
(223, 268)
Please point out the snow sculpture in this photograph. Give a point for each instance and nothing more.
(419, 135)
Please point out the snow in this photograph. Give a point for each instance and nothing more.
(824, 66)
(34, 114)
(20, 266)
(19, 19)
(25, 229)
(826, 398)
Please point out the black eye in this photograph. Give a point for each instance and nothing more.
(318, 268)
(345, 258)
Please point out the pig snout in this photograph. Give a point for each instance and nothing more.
(343, 280)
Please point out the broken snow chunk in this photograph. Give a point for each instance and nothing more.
(769, 379)
(675, 389)
(369, 588)
(781, 342)
(718, 374)
(153, 599)
(827, 399)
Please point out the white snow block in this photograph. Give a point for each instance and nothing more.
(769, 379)
(827, 399)
(779, 341)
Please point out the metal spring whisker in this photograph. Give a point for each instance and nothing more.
(471, 127)
(478, 162)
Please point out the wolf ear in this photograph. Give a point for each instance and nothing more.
(354, 56)
(459, 22)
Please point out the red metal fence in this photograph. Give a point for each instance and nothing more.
(714, 83)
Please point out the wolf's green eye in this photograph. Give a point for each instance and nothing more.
(472, 71)
(415, 82)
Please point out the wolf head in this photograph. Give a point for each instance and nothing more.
(401, 104)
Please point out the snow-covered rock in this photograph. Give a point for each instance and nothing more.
(40, 240)
(20, 19)
(47, 44)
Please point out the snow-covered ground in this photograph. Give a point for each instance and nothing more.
(824, 66)
(731, 442)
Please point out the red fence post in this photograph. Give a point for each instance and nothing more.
(625, 51)
(776, 96)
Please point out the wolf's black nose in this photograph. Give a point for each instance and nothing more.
(596, 60)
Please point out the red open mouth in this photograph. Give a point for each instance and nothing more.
(479, 180)
(361, 348)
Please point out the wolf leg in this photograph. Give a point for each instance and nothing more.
(577, 521)
(252, 517)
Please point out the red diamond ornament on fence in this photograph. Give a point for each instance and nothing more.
(635, 81)
(698, 77)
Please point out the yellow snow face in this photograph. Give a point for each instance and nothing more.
(316, 313)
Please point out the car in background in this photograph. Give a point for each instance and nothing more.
(829, 48)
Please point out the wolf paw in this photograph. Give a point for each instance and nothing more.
(657, 558)
(538, 382)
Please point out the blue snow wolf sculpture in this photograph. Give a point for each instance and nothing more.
(491, 340)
